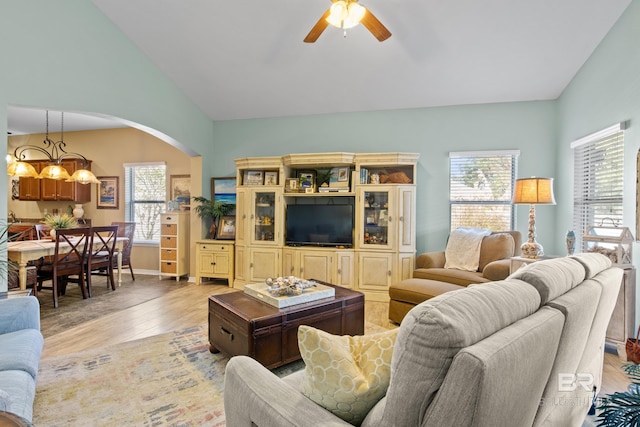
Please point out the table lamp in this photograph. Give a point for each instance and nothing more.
(533, 191)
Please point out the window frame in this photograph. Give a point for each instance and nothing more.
(129, 204)
(458, 158)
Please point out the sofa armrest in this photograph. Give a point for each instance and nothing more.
(253, 394)
(19, 313)
(430, 260)
(497, 270)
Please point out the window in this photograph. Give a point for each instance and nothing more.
(480, 189)
(144, 195)
(598, 180)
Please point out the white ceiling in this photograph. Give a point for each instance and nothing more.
(246, 59)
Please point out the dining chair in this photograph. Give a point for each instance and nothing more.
(42, 232)
(126, 229)
(100, 254)
(68, 260)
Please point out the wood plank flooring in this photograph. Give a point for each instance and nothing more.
(187, 306)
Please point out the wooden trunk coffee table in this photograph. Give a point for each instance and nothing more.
(240, 324)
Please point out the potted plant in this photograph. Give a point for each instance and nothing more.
(622, 408)
(57, 222)
(211, 212)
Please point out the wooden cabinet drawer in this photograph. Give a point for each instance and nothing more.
(170, 219)
(210, 247)
(168, 255)
(168, 267)
(168, 242)
(169, 230)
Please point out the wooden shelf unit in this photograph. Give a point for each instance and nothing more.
(383, 249)
(174, 244)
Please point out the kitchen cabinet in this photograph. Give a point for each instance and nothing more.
(56, 190)
(214, 259)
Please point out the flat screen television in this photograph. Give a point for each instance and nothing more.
(319, 225)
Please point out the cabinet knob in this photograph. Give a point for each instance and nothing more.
(390, 219)
(401, 219)
(389, 273)
(339, 271)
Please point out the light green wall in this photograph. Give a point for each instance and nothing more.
(434, 132)
(606, 91)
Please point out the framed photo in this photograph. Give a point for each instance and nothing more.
(343, 174)
(291, 185)
(227, 228)
(271, 178)
(253, 178)
(307, 179)
(224, 190)
(108, 192)
(180, 188)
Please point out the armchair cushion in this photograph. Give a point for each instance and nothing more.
(494, 247)
(463, 248)
(347, 375)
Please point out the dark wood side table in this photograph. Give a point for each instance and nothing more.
(240, 324)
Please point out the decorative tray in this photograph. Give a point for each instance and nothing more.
(312, 291)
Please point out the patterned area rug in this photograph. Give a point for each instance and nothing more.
(166, 380)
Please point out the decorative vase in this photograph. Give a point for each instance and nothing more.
(571, 242)
(78, 211)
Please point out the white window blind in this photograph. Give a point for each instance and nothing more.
(144, 194)
(598, 180)
(480, 189)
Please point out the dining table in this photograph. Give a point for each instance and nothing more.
(24, 251)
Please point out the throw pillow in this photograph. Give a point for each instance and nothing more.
(494, 247)
(463, 248)
(346, 375)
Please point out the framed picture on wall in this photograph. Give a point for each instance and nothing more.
(108, 192)
(224, 190)
(180, 188)
(227, 228)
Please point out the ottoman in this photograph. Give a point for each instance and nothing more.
(406, 294)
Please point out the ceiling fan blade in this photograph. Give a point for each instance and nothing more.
(376, 28)
(318, 28)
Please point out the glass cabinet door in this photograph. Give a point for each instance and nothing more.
(265, 217)
(376, 218)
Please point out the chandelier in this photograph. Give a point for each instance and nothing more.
(55, 153)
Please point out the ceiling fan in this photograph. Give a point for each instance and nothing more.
(347, 14)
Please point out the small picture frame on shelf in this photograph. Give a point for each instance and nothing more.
(253, 177)
(227, 228)
(291, 185)
(307, 179)
(271, 178)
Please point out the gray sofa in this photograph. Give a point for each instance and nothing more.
(20, 348)
(502, 353)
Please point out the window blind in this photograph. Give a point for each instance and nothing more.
(598, 180)
(480, 189)
(145, 194)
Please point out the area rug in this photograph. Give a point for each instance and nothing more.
(165, 380)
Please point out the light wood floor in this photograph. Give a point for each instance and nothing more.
(188, 306)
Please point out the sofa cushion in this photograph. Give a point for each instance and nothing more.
(593, 263)
(22, 388)
(494, 247)
(434, 331)
(552, 277)
(463, 248)
(346, 375)
(21, 350)
(5, 400)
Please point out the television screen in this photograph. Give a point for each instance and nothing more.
(319, 225)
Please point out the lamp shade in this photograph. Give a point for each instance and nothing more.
(21, 170)
(534, 191)
(54, 172)
(83, 176)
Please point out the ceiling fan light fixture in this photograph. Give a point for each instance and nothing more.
(345, 14)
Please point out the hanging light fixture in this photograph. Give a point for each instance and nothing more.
(345, 14)
(17, 167)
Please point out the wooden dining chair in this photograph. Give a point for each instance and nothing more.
(42, 231)
(126, 229)
(68, 260)
(100, 254)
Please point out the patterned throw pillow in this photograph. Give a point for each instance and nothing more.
(347, 375)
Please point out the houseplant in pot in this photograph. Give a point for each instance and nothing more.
(60, 222)
(211, 212)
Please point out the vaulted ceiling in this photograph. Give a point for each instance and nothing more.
(246, 59)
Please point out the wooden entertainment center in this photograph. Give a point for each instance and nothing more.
(380, 188)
